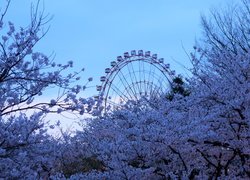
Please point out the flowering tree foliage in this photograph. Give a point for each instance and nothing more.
(26, 150)
(204, 134)
(25, 74)
(221, 86)
(134, 144)
(200, 130)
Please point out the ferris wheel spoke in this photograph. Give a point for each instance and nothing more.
(113, 103)
(131, 78)
(153, 76)
(133, 72)
(149, 74)
(160, 81)
(134, 94)
(151, 89)
(144, 78)
(125, 85)
(132, 89)
(145, 86)
(119, 92)
(140, 85)
(155, 91)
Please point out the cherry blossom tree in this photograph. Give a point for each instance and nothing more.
(25, 74)
(203, 134)
(26, 149)
(221, 72)
(228, 29)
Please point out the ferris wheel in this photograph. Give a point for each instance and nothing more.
(132, 77)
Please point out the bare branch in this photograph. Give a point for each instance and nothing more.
(5, 10)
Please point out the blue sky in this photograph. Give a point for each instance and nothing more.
(93, 32)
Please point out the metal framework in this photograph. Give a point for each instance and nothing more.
(132, 77)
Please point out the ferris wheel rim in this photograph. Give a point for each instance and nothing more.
(119, 65)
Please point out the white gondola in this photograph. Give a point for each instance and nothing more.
(140, 52)
(113, 63)
(103, 78)
(172, 72)
(161, 60)
(133, 53)
(119, 58)
(126, 55)
(107, 70)
(98, 88)
(154, 56)
(147, 53)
